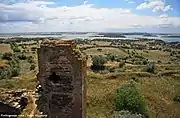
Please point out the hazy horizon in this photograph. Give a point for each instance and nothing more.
(85, 32)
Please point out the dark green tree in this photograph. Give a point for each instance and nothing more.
(98, 62)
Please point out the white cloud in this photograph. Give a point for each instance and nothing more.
(130, 1)
(164, 16)
(37, 16)
(85, 2)
(155, 5)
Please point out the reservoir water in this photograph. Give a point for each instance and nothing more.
(87, 36)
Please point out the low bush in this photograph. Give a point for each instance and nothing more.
(177, 97)
(151, 68)
(12, 70)
(7, 56)
(98, 62)
(15, 67)
(15, 47)
(32, 67)
(111, 69)
(121, 64)
(22, 57)
(5, 73)
(111, 57)
(145, 62)
(30, 59)
(128, 98)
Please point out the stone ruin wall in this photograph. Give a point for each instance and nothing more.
(62, 72)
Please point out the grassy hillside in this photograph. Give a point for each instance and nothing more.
(159, 88)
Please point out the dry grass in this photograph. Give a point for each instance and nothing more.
(5, 48)
(26, 81)
(155, 55)
(101, 88)
(3, 63)
(105, 50)
(158, 93)
(101, 43)
(100, 95)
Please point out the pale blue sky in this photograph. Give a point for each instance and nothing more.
(92, 15)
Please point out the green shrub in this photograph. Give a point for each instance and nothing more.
(5, 73)
(15, 47)
(7, 56)
(111, 57)
(15, 67)
(121, 64)
(128, 98)
(12, 70)
(32, 67)
(30, 59)
(98, 62)
(15, 71)
(177, 97)
(151, 68)
(22, 57)
(145, 62)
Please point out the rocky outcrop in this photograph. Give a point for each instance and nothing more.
(12, 102)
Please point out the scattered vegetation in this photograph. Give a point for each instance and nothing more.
(15, 47)
(114, 62)
(177, 97)
(12, 70)
(30, 59)
(128, 98)
(7, 56)
(22, 57)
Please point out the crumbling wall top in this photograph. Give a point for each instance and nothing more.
(55, 43)
(64, 43)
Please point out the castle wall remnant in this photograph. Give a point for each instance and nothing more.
(62, 72)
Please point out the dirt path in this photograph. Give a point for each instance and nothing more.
(34, 106)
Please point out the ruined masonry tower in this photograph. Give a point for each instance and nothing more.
(62, 72)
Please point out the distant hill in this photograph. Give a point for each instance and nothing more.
(112, 35)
